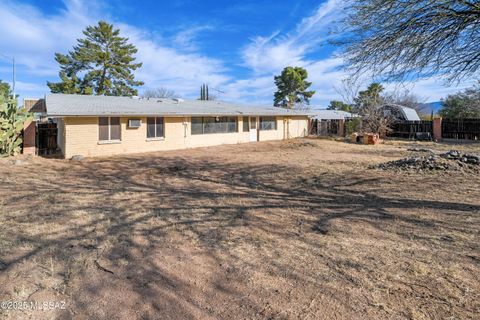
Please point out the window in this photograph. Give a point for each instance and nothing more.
(109, 129)
(268, 123)
(246, 127)
(197, 125)
(155, 128)
(205, 125)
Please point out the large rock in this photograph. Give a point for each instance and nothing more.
(77, 157)
(452, 154)
(16, 162)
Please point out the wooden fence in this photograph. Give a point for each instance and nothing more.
(422, 130)
(461, 129)
(411, 129)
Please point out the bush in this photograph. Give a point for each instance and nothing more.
(353, 125)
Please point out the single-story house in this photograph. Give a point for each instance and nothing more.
(105, 125)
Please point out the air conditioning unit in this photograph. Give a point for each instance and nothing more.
(134, 123)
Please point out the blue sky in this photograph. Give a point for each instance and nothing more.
(234, 46)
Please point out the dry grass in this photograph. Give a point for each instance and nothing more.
(297, 229)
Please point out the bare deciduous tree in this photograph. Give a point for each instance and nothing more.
(374, 120)
(301, 107)
(413, 38)
(160, 93)
(407, 99)
(348, 90)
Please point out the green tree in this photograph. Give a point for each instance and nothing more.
(12, 120)
(106, 61)
(372, 97)
(367, 104)
(204, 93)
(5, 91)
(353, 125)
(462, 105)
(339, 105)
(292, 87)
(401, 39)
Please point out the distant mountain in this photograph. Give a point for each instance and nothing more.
(429, 106)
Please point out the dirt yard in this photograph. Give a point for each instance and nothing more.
(277, 230)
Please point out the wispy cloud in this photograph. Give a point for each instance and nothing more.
(187, 38)
(170, 67)
(431, 89)
(177, 61)
(266, 54)
(33, 38)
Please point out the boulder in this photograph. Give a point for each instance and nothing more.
(77, 157)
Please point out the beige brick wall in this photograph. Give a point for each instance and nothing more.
(81, 136)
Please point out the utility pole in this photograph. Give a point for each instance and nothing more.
(13, 72)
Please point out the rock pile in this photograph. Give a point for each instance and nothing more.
(450, 161)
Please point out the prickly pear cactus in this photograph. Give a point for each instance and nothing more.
(12, 120)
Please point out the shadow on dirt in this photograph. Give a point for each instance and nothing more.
(172, 237)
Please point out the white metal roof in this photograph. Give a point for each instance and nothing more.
(408, 114)
(60, 105)
(332, 114)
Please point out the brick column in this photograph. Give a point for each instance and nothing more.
(29, 138)
(437, 129)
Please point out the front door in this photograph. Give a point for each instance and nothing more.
(253, 129)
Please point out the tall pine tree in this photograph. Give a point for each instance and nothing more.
(104, 59)
(292, 87)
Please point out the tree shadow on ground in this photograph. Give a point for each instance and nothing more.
(149, 237)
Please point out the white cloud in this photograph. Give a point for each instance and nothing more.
(33, 38)
(257, 90)
(267, 56)
(431, 89)
(168, 67)
(176, 62)
(274, 52)
(187, 39)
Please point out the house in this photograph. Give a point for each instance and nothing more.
(105, 125)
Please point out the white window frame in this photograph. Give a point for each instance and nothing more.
(156, 138)
(110, 131)
(275, 123)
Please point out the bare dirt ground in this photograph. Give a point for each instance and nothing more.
(273, 230)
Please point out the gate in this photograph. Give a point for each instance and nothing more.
(461, 129)
(46, 141)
